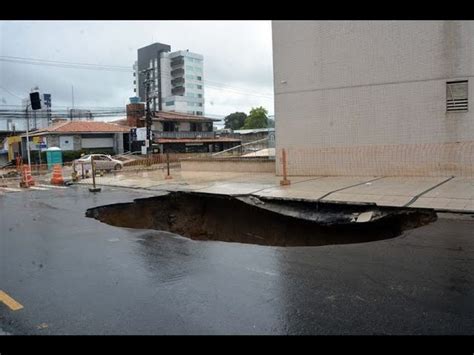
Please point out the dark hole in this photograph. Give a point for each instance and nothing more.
(264, 221)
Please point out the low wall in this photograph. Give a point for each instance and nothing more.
(381, 160)
(232, 165)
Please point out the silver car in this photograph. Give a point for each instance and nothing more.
(102, 162)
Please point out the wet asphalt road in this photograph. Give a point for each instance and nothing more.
(75, 275)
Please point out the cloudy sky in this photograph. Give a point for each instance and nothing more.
(237, 58)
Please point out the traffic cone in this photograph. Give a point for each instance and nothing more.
(26, 178)
(57, 178)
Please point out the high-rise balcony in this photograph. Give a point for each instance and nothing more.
(179, 90)
(177, 62)
(177, 81)
(176, 72)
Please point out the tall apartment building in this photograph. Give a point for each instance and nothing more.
(375, 97)
(177, 79)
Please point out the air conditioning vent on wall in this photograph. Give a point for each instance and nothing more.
(457, 96)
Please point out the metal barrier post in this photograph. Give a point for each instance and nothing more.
(168, 176)
(94, 188)
(285, 181)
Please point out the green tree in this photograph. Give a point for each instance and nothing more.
(257, 118)
(235, 120)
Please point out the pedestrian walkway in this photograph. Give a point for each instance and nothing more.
(441, 193)
(389, 191)
(456, 194)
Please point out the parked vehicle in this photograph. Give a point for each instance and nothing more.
(102, 162)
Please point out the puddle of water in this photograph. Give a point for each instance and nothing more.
(251, 220)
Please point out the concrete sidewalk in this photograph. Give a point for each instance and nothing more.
(440, 193)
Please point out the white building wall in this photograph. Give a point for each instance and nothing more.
(165, 76)
(66, 142)
(180, 106)
(369, 97)
(100, 142)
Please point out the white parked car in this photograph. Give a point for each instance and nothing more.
(102, 162)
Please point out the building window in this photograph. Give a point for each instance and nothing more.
(196, 127)
(170, 103)
(199, 95)
(199, 78)
(199, 113)
(199, 86)
(170, 126)
(457, 96)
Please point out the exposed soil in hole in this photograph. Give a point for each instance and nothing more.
(247, 219)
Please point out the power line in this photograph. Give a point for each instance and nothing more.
(236, 88)
(63, 62)
(107, 67)
(76, 107)
(1, 87)
(64, 66)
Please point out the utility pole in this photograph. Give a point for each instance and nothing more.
(148, 120)
(28, 135)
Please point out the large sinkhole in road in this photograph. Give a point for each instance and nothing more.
(264, 221)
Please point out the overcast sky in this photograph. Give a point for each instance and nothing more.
(237, 54)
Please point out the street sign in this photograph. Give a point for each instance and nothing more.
(47, 100)
(141, 134)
